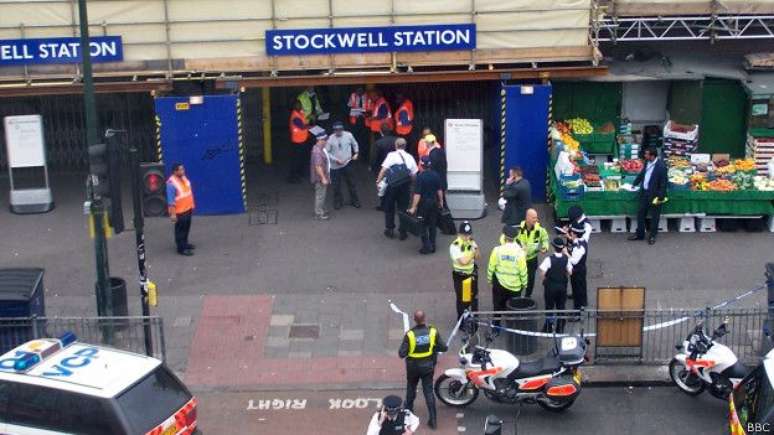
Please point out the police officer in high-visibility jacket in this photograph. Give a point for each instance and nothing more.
(464, 253)
(507, 270)
(180, 202)
(533, 238)
(420, 346)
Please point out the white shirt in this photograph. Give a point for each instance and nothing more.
(394, 158)
(456, 253)
(411, 421)
(648, 173)
(587, 229)
(578, 252)
(546, 264)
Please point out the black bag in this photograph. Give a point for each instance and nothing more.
(410, 222)
(446, 222)
(398, 175)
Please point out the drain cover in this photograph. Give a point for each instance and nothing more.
(305, 331)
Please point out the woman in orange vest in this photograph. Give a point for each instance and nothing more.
(299, 137)
(381, 113)
(404, 116)
(424, 146)
(180, 202)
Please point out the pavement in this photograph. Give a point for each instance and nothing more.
(294, 304)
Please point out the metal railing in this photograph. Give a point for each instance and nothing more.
(126, 333)
(640, 337)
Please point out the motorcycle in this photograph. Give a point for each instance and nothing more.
(553, 382)
(703, 362)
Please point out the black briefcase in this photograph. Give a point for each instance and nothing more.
(446, 223)
(411, 223)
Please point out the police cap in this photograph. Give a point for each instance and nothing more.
(510, 231)
(392, 404)
(558, 242)
(465, 228)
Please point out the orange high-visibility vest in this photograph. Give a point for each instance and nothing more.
(376, 123)
(298, 135)
(357, 102)
(184, 200)
(400, 128)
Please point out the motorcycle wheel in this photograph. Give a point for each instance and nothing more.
(555, 405)
(686, 381)
(452, 392)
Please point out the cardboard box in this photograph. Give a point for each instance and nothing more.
(697, 158)
(720, 156)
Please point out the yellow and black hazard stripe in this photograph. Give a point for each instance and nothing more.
(241, 150)
(549, 194)
(158, 139)
(502, 137)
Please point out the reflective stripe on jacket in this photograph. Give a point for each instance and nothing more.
(298, 135)
(426, 343)
(184, 200)
(533, 241)
(509, 264)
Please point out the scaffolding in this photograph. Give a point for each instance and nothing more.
(684, 28)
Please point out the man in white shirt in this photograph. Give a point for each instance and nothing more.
(555, 270)
(398, 190)
(342, 149)
(392, 419)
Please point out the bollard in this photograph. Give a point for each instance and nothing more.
(493, 425)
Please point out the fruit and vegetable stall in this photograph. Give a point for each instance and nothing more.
(698, 184)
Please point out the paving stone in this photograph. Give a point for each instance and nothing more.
(182, 322)
(279, 331)
(396, 334)
(300, 355)
(352, 334)
(277, 342)
(350, 353)
(282, 319)
(351, 345)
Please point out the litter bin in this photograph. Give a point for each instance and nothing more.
(21, 296)
(521, 344)
(117, 296)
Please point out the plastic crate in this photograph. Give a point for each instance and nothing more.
(679, 187)
(573, 194)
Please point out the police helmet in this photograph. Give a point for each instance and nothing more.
(466, 228)
(392, 404)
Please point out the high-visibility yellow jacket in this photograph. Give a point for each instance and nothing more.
(533, 241)
(509, 264)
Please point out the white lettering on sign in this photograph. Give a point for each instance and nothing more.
(276, 404)
(358, 403)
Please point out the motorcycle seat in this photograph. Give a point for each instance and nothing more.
(544, 366)
(736, 371)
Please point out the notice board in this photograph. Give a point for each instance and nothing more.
(464, 154)
(24, 141)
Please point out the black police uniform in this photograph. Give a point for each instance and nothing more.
(578, 278)
(394, 427)
(427, 186)
(555, 289)
(421, 368)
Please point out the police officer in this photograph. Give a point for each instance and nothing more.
(428, 200)
(555, 271)
(507, 269)
(533, 238)
(392, 419)
(419, 347)
(579, 251)
(464, 253)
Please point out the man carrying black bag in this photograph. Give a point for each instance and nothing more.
(428, 200)
(398, 170)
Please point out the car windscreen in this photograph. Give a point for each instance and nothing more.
(154, 399)
(754, 398)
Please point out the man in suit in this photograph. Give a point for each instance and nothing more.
(518, 196)
(653, 179)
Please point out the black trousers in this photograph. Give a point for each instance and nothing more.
(457, 279)
(647, 208)
(182, 228)
(429, 211)
(415, 374)
(347, 175)
(299, 161)
(555, 299)
(578, 283)
(532, 266)
(500, 296)
(395, 198)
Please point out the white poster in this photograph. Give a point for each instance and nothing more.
(464, 154)
(24, 141)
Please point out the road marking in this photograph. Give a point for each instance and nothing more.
(299, 404)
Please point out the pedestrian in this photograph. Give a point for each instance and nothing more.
(420, 347)
(392, 419)
(180, 203)
(319, 174)
(533, 238)
(382, 146)
(464, 253)
(653, 179)
(578, 250)
(507, 269)
(438, 158)
(342, 148)
(310, 104)
(299, 138)
(404, 117)
(518, 197)
(555, 271)
(358, 104)
(427, 203)
(381, 113)
(423, 147)
(398, 170)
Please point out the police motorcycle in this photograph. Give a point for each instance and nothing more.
(702, 362)
(553, 382)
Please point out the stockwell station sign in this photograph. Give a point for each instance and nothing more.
(370, 39)
(58, 50)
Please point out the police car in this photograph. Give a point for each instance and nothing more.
(58, 385)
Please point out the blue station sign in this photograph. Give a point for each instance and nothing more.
(58, 50)
(370, 39)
